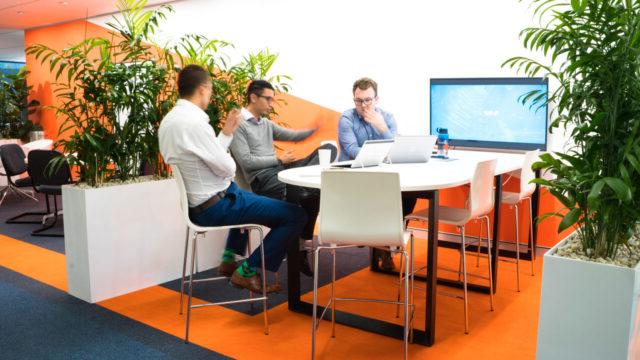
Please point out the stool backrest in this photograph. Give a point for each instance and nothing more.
(184, 202)
(241, 180)
(527, 174)
(360, 208)
(481, 195)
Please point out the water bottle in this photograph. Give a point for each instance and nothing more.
(443, 143)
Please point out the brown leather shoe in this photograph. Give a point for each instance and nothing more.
(386, 261)
(227, 269)
(271, 288)
(253, 283)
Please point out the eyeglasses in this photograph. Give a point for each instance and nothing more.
(268, 98)
(360, 102)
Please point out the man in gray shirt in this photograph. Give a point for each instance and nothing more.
(252, 147)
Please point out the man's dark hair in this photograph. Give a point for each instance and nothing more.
(190, 78)
(256, 87)
(364, 84)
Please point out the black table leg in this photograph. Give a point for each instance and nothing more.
(293, 275)
(535, 208)
(496, 230)
(432, 266)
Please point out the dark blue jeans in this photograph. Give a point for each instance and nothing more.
(285, 220)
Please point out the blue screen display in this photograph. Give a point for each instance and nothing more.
(10, 67)
(489, 112)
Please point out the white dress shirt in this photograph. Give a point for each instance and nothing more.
(188, 141)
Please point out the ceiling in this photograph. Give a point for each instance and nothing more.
(26, 14)
(19, 15)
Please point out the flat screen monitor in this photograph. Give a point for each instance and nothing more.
(489, 112)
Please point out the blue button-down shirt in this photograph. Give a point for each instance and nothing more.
(353, 131)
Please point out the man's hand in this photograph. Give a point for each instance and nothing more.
(286, 157)
(376, 120)
(232, 122)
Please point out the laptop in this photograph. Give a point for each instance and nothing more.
(412, 149)
(371, 154)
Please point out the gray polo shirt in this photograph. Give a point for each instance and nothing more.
(252, 145)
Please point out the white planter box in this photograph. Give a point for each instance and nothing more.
(119, 239)
(588, 310)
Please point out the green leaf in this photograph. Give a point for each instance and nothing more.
(622, 191)
(596, 189)
(570, 219)
(634, 162)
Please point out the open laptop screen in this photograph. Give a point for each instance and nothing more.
(371, 154)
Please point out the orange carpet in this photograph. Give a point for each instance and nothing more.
(509, 332)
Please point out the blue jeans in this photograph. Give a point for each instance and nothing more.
(285, 220)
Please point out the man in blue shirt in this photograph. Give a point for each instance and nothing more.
(368, 122)
(365, 121)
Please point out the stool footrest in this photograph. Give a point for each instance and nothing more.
(229, 302)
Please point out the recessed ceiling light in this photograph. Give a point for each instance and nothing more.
(63, 3)
(20, 12)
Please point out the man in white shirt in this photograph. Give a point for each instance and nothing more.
(189, 142)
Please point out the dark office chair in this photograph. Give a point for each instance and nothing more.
(48, 180)
(12, 158)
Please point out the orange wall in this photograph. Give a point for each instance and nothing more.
(56, 37)
(298, 113)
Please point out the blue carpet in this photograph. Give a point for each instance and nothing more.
(14, 205)
(347, 261)
(40, 322)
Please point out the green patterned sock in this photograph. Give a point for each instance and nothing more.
(245, 270)
(228, 256)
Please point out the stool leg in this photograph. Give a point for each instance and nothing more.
(314, 320)
(460, 268)
(412, 275)
(532, 249)
(264, 284)
(479, 243)
(333, 296)
(490, 267)
(184, 268)
(193, 264)
(517, 249)
(249, 254)
(464, 283)
(196, 257)
(406, 305)
(400, 277)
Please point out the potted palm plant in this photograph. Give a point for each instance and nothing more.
(591, 280)
(120, 230)
(15, 107)
(113, 92)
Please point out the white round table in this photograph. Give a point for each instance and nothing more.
(43, 144)
(424, 179)
(436, 174)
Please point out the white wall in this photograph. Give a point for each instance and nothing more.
(326, 45)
